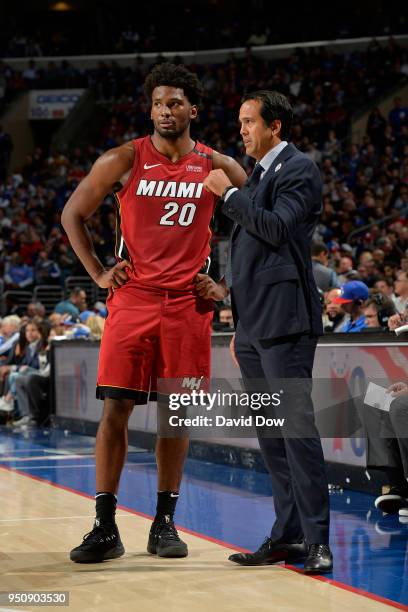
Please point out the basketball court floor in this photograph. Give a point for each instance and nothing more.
(46, 493)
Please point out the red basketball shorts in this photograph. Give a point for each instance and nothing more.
(151, 334)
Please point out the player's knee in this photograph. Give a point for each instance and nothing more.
(116, 412)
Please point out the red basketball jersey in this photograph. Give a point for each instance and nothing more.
(164, 216)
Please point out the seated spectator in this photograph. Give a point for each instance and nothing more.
(36, 336)
(32, 392)
(35, 310)
(100, 309)
(96, 324)
(17, 274)
(9, 334)
(352, 297)
(377, 311)
(385, 286)
(74, 305)
(14, 359)
(344, 268)
(401, 291)
(46, 271)
(387, 448)
(334, 318)
(324, 276)
(224, 320)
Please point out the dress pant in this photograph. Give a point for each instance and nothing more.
(31, 391)
(293, 454)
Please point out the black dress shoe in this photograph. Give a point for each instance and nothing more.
(319, 559)
(272, 552)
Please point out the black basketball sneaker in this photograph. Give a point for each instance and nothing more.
(164, 540)
(100, 544)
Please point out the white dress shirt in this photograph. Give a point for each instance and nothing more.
(266, 162)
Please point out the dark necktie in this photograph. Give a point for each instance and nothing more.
(253, 181)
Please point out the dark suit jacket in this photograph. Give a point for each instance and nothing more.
(273, 290)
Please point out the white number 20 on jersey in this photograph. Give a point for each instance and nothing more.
(185, 217)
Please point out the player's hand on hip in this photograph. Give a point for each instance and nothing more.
(216, 181)
(115, 277)
(210, 290)
(232, 351)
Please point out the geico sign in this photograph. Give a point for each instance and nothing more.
(57, 98)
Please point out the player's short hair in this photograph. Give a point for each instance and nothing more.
(274, 105)
(174, 75)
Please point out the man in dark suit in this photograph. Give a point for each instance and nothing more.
(278, 319)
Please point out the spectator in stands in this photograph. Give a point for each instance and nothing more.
(376, 125)
(401, 291)
(225, 316)
(100, 309)
(17, 274)
(324, 276)
(74, 305)
(334, 317)
(6, 147)
(46, 271)
(387, 449)
(95, 323)
(36, 336)
(66, 259)
(224, 320)
(398, 115)
(14, 358)
(344, 268)
(35, 310)
(32, 391)
(385, 285)
(352, 297)
(9, 335)
(377, 311)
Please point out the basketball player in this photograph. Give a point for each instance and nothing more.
(157, 326)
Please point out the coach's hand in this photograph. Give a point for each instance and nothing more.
(115, 277)
(216, 181)
(210, 290)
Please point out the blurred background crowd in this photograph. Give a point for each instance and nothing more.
(360, 250)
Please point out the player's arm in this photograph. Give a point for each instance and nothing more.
(235, 173)
(112, 167)
(207, 287)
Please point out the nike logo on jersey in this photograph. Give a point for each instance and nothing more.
(147, 166)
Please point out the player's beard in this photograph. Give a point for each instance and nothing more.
(172, 134)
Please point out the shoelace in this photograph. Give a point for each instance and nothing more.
(97, 534)
(317, 549)
(264, 545)
(168, 530)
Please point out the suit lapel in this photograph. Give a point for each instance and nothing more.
(273, 172)
(269, 177)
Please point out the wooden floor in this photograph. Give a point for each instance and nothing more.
(40, 523)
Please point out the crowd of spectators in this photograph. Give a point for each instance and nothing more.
(364, 182)
(105, 29)
(25, 368)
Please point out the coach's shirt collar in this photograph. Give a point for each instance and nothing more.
(268, 159)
